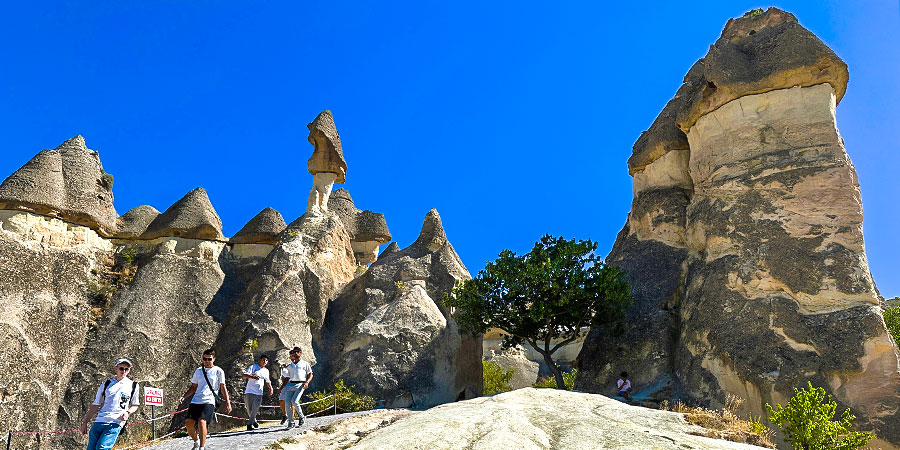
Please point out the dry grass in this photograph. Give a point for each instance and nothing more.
(725, 423)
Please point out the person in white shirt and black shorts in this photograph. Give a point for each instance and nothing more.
(207, 384)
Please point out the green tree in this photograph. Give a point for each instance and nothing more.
(807, 425)
(892, 320)
(547, 294)
(496, 380)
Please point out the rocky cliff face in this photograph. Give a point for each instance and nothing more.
(80, 288)
(744, 243)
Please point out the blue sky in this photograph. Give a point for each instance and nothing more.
(513, 119)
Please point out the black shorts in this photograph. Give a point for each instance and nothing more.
(201, 411)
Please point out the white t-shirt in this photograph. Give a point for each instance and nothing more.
(116, 401)
(298, 371)
(623, 385)
(285, 372)
(256, 386)
(203, 395)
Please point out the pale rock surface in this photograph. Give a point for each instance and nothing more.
(368, 230)
(388, 335)
(68, 182)
(543, 419)
(327, 164)
(284, 302)
(753, 279)
(134, 223)
(192, 217)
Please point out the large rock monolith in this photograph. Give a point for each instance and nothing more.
(744, 243)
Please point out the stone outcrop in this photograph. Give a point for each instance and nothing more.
(263, 228)
(368, 230)
(388, 334)
(68, 182)
(327, 163)
(540, 419)
(134, 223)
(192, 217)
(285, 300)
(744, 243)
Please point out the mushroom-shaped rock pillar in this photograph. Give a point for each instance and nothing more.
(368, 230)
(326, 164)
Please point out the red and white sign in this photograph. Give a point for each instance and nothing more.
(153, 396)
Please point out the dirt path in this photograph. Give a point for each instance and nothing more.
(256, 439)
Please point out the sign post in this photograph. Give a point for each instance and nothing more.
(153, 397)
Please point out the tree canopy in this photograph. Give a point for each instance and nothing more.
(548, 294)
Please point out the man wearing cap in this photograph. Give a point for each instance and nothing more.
(116, 399)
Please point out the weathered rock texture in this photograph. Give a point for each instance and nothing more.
(368, 230)
(744, 244)
(67, 182)
(263, 228)
(161, 288)
(135, 222)
(192, 217)
(388, 333)
(543, 419)
(328, 156)
(525, 371)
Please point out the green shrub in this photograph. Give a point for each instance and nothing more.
(496, 380)
(806, 422)
(892, 320)
(550, 382)
(347, 400)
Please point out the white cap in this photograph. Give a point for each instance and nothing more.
(123, 360)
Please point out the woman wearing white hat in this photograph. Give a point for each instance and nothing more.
(116, 399)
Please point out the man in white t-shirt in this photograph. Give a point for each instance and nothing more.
(623, 386)
(257, 376)
(207, 383)
(116, 399)
(299, 374)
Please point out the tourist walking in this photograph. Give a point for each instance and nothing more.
(299, 375)
(116, 399)
(207, 385)
(257, 376)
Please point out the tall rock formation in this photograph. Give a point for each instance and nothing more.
(388, 333)
(368, 230)
(744, 244)
(327, 164)
(68, 182)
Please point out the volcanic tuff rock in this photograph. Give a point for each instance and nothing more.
(525, 371)
(328, 155)
(745, 245)
(541, 419)
(284, 302)
(67, 182)
(135, 222)
(387, 332)
(368, 230)
(261, 229)
(191, 217)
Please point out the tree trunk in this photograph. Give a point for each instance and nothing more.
(557, 373)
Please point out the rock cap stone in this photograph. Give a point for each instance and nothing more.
(191, 217)
(360, 225)
(328, 156)
(68, 182)
(757, 53)
(134, 223)
(432, 235)
(263, 228)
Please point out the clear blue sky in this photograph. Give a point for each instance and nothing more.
(513, 119)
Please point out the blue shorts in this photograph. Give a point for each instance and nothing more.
(622, 393)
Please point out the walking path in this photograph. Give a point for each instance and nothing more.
(252, 440)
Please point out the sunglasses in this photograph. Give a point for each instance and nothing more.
(207, 359)
(124, 369)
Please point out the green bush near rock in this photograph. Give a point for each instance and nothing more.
(549, 382)
(892, 320)
(496, 379)
(807, 425)
(347, 400)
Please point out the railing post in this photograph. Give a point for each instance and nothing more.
(335, 404)
(8, 440)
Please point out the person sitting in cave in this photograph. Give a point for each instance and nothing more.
(623, 385)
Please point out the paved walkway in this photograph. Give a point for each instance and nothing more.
(252, 440)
